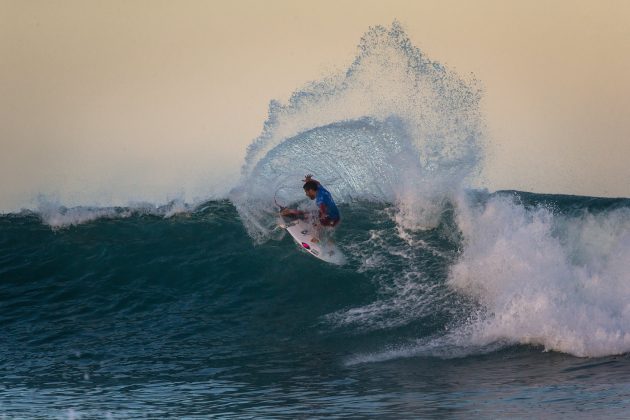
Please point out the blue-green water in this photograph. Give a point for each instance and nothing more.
(143, 315)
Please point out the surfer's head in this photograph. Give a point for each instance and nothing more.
(310, 188)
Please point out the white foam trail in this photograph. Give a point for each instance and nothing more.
(401, 264)
(546, 279)
(454, 344)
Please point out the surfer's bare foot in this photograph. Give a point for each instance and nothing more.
(314, 240)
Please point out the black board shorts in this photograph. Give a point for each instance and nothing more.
(327, 221)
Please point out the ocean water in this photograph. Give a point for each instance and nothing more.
(142, 315)
(454, 302)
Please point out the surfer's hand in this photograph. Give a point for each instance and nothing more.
(307, 178)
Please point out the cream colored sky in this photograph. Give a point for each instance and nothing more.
(106, 102)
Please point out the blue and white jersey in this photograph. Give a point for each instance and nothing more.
(326, 204)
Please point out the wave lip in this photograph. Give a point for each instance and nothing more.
(57, 216)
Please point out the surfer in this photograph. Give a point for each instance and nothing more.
(328, 212)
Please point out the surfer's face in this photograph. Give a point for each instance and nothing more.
(311, 194)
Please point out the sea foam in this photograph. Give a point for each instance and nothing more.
(556, 280)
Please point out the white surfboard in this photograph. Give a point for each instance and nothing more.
(303, 232)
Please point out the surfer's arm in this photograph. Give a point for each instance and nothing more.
(293, 213)
(323, 211)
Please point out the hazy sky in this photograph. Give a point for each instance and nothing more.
(103, 102)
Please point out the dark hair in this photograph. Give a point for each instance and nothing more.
(311, 185)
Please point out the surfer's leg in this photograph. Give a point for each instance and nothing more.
(326, 228)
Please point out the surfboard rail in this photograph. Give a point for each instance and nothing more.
(306, 237)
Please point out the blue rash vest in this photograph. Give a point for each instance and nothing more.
(327, 207)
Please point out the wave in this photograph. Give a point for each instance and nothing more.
(499, 270)
(397, 138)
